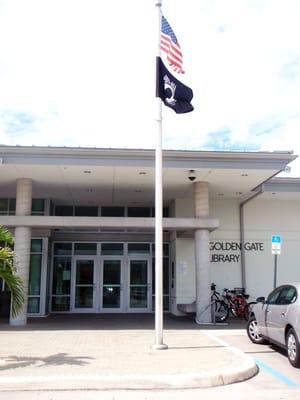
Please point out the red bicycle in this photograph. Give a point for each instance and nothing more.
(234, 302)
(237, 302)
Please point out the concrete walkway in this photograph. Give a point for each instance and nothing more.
(114, 352)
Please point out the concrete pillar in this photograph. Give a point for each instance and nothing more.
(22, 244)
(203, 279)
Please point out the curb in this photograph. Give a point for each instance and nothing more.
(245, 369)
(216, 377)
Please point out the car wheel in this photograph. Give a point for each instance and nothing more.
(293, 348)
(253, 332)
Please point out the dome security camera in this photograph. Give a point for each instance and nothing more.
(192, 175)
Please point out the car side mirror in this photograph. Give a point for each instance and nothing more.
(260, 299)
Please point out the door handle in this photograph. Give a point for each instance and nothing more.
(283, 314)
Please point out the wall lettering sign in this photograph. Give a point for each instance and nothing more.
(230, 251)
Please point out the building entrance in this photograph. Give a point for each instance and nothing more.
(111, 285)
(105, 277)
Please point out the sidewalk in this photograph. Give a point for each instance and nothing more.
(114, 352)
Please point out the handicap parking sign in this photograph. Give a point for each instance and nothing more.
(276, 244)
(276, 239)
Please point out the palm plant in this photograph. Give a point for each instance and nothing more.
(8, 272)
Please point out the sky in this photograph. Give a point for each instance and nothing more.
(82, 73)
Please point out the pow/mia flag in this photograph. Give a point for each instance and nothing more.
(173, 93)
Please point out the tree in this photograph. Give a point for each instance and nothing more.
(8, 272)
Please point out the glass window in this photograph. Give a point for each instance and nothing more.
(112, 249)
(12, 206)
(36, 246)
(84, 272)
(35, 274)
(62, 249)
(3, 206)
(82, 211)
(112, 211)
(61, 303)
(85, 249)
(138, 272)
(111, 272)
(33, 305)
(138, 248)
(37, 206)
(139, 212)
(61, 276)
(287, 295)
(273, 296)
(64, 211)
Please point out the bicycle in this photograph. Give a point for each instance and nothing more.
(237, 302)
(234, 302)
(220, 310)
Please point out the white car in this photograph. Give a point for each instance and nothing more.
(277, 320)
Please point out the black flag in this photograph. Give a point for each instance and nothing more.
(173, 93)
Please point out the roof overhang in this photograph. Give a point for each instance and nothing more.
(126, 176)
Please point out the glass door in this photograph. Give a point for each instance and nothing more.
(84, 286)
(139, 287)
(112, 287)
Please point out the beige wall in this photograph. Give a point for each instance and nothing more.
(263, 218)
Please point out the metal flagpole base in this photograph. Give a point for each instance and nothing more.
(159, 346)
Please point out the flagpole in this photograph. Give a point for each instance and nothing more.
(159, 345)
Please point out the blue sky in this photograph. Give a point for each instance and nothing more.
(81, 73)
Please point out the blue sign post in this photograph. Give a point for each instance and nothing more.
(276, 250)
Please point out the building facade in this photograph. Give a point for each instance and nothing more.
(83, 222)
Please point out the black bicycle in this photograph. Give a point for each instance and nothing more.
(220, 310)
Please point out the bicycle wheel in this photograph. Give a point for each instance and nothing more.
(221, 311)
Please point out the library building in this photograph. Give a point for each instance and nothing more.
(83, 226)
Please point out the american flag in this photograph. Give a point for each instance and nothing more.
(169, 44)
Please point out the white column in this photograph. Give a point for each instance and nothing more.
(22, 244)
(203, 279)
